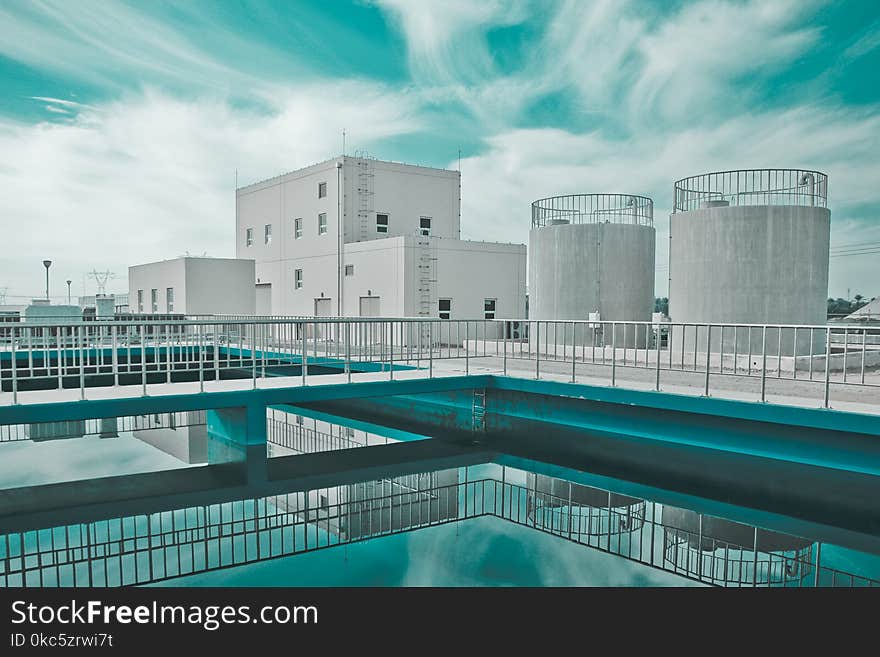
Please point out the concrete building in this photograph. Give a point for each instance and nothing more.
(592, 256)
(398, 252)
(751, 247)
(192, 286)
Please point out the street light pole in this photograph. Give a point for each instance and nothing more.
(68, 291)
(47, 264)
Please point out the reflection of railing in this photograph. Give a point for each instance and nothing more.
(593, 209)
(169, 544)
(100, 426)
(143, 354)
(725, 563)
(752, 187)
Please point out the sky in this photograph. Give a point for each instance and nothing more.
(123, 125)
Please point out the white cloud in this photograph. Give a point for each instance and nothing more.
(150, 176)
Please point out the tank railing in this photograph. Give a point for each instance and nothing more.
(593, 208)
(165, 545)
(686, 357)
(752, 187)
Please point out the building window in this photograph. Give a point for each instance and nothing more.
(297, 228)
(140, 301)
(154, 300)
(349, 432)
(322, 223)
(381, 223)
(445, 308)
(169, 299)
(267, 233)
(322, 189)
(249, 237)
(299, 420)
(489, 308)
(323, 501)
(297, 278)
(425, 225)
(349, 270)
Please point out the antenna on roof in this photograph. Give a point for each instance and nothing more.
(343, 141)
(459, 160)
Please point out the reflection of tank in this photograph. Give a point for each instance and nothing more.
(563, 506)
(727, 551)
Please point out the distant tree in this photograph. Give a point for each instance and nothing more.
(661, 305)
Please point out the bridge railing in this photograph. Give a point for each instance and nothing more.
(689, 357)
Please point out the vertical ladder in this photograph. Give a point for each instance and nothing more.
(479, 410)
(365, 195)
(426, 279)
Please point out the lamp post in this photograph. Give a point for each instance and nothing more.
(47, 264)
(68, 290)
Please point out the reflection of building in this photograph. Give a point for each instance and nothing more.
(181, 435)
(562, 506)
(56, 430)
(367, 508)
(727, 551)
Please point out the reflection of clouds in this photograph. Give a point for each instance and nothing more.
(476, 552)
(493, 552)
(26, 463)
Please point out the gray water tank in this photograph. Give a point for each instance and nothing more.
(751, 247)
(593, 253)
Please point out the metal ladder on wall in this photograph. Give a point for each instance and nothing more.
(364, 193)
(426, 277)
(479, 411)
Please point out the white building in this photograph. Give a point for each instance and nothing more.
(399, 253)
(192, 286)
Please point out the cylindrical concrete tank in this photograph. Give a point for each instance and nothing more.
(751, 247)
(592, 253)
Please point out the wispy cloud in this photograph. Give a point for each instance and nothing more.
(150, 176)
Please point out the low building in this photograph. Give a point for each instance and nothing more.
(192, 286)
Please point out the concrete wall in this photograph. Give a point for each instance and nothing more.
(576, 269)
(750, 265)
(202, 286)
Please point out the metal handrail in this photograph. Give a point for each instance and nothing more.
(593, 208)
(771, 186)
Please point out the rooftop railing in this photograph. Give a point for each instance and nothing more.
(743, 361)
(593, 209)
(751, 187)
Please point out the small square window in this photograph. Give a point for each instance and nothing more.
(297, 278)
(349, 270)
(444, 306)
(322, 189)
(297, 228)
(249, 237)
(489, 308)
(322, 223)
(425, 225)
(267, 233)
(381, 223)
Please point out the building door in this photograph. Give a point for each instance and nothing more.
(264, 299)
(370, 333)
(323, 308)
